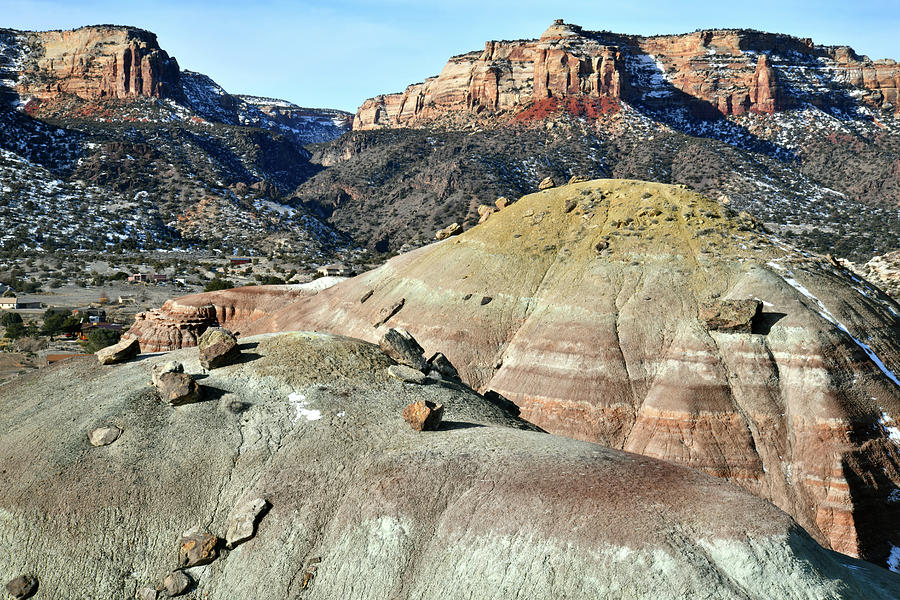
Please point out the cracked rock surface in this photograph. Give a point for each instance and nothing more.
(362, 506)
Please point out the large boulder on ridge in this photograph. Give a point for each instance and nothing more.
(362, 506)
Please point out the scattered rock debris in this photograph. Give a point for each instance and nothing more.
(124, 350)
(546, 183)
(178, 388)
(449, 231)
(176, 583)
(243, 520)
(218, 347)
(104, 436)
(22, 586)
(440, 363)
(424, 415)
(400, 345)
(197, 547)
(731, 316)
(406, 374)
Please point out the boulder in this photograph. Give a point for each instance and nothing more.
(22, 586)
(450, 230)
(243, 519)
(502, 202)
(176, 583)
(218, 347)
(104, 436)
(197, 547)
(440, 363)
(126, 349)
(147, 593)
(178, 388)
(484, 212)
(400, 345)
(730, 316)
(406, 374)
(172, 366)
(546, 183)
(424, 415)
(577, 179)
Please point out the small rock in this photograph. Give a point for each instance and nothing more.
(502, 202)
(176, 583)
(577, 179)
(124, 350)
(22, 586)
(400, 345)
(440, 363)
(601, 246)
(243, 519)
(450, 230)
(172, 366)
(197, 548)
(424, 415)
(570, 205)
(486, 300)
(178, 388)
(218, 347)
(546, 183)
(484, 212)
(387, 312)
(731, 316)
(406, 374)
(104, 436)
(366, 296)
(147, 593)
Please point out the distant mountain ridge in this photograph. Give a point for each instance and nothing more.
(104, 115)
(730, 71)
(803, 136)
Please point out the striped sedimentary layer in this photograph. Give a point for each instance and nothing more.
(580, 304)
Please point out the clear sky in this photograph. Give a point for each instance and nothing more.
(337, 53)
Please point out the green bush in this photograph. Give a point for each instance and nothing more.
(217, 284)
(101, 338)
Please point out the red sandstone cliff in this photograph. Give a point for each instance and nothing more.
(731, 71)
(96, 62)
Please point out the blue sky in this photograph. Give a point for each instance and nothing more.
(337, 53)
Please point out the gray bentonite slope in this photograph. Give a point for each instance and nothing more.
(362, 506)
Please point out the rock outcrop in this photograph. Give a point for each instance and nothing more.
(730, 71)
(608, 346)
(97, 62)
(362, 506)
(181, 321)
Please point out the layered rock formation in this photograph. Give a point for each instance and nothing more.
(180, 322)
(360, 505)
(97, 62)
(729, 71)
(588, 319)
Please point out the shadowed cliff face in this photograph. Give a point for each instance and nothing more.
(728, 72)
(581, 304)
(362, 506)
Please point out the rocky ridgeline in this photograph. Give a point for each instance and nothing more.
(294, 474)
(729, 71)
(648, 318)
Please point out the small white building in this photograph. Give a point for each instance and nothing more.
(9, 303)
